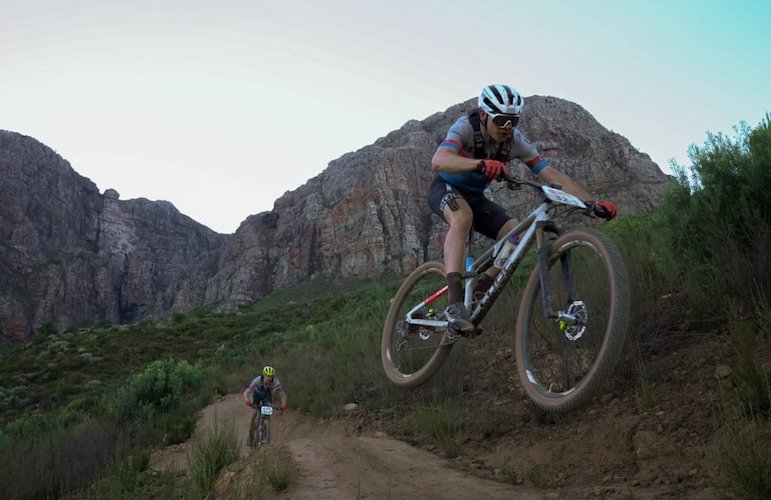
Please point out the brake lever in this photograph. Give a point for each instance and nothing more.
(590, 209)
(513, 182)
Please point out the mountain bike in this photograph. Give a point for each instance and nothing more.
(573, 313)
(261, 433)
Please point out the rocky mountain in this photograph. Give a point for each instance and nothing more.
(70, 255)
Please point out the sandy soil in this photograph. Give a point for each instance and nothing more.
(610, 449)
(334, 465)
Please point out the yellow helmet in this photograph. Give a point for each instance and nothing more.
(269, 371)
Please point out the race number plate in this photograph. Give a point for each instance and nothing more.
(562, 197)
(266, 410)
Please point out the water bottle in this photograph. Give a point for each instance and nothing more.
(508, 246)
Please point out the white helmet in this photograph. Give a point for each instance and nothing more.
(498, 99)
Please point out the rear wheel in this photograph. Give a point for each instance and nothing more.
(562, 362)
(411, 353)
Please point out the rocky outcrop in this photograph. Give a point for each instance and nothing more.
(70, 255)
(367, 212)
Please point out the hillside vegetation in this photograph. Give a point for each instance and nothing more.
(80, 409)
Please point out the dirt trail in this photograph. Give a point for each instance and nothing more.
(334, 465)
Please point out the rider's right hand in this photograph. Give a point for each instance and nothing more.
(493, 169)
(249, 404)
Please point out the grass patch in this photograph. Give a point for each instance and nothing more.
(441, 425)
(272, 471)
(744, 456)
(214, 451)
(645, 388)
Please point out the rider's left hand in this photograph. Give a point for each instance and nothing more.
(604, 209)
(283, 407)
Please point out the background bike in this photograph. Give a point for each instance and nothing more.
(261, 433)
(573, 314)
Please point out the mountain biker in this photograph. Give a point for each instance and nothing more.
(473, 154)
(261, 391)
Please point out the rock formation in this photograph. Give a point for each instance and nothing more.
(72, 256)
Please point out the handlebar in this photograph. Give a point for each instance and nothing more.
(252, 405)
(515, 182)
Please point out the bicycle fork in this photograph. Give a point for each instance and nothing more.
(572, 322)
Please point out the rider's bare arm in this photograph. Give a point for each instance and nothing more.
(551, 175)
(448, 160)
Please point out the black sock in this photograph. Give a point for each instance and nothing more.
(455, 287)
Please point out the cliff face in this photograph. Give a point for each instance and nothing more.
(70, 255)
(367, 212)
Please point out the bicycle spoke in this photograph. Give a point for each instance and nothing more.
(412, 352)
(416, 343)
(557, 362)
(564, 359)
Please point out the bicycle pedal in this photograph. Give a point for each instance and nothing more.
(451, 336)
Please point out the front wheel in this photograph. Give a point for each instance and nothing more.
(263, 432)
(411, 353)
(563, 361)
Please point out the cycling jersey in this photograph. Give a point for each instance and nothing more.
(258, 385)
(460, 138)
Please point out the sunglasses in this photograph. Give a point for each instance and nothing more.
(502, 120)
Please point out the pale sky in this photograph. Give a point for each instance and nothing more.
(220, 107)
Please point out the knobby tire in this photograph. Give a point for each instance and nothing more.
(559, 374)
(420, 359)
(263, 432)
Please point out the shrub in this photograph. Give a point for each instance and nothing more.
(716, 216)
(159, 388)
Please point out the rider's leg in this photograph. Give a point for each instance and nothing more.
(455, 240)
(458, 215)
(252, 418)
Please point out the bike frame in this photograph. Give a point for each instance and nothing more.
(532, 228)
(263, 416)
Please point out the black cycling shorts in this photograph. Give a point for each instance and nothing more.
(489, 217)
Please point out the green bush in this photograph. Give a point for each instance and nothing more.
(716, 216)
(159, 388)
(13, 396)
(26, 427)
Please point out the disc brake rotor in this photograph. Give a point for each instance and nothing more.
(574, 325)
